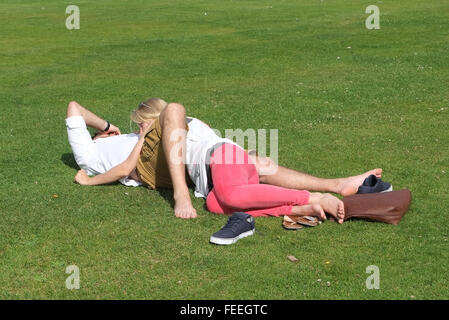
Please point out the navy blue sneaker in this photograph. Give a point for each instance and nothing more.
(373, 184)
(240, 225)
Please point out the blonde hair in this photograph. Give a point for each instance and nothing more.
(148, 110)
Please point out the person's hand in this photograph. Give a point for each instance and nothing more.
(82, 178)
(143, 131)
(145, 127)
(184, 209)
(113, 130)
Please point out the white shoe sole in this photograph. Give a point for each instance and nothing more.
(389, 189)
(228, 241)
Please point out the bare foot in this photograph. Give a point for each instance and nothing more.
(350, 185)
(184, 209)
(330, 204)
(314, 210)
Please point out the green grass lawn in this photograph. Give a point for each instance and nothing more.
(345, 99)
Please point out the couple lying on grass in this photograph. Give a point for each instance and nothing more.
(169, 145)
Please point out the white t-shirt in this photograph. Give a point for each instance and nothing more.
(100, 155)
(200, 139)
(114, 150)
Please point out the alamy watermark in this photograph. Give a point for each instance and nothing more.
(373, 20)
(257, 148)
(373, 281)
(72, 281)
(73, 20)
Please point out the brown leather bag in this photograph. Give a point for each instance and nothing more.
(388, 207)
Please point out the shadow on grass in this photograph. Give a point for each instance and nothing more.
(167, 194)
(69, 160)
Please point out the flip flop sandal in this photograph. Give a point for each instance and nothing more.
(307, 221)
(291, 225)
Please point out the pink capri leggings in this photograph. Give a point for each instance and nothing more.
(236, 187)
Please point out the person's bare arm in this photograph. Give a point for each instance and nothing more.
(118, 172)
(173, 120)
(91, 119)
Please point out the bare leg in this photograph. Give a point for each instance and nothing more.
(292, 179)
(173, 120)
